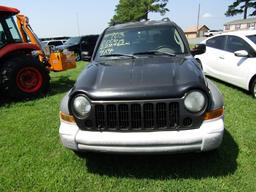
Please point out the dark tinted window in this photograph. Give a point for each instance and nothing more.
(216, 42)
(55, 43)
(236, 43)
(252, 38)
(90, 39)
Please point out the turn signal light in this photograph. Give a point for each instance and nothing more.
(214, 114)
(66, 117)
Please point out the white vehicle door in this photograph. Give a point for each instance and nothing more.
(212, 59)
(236, 70)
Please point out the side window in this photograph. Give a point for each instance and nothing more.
(236, 43)
(55, 43)
(13, 29)
(3, 39)
(216, 42)
(85, 39)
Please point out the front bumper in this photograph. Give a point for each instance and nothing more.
(207, 137)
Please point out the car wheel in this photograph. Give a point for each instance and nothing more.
(253, 88)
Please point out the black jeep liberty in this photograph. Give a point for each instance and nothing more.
(142, 92)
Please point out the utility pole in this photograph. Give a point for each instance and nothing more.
(198, 18)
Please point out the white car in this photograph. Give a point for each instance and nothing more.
(210, 33)
(231, 57)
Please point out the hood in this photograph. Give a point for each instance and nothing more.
(141, 78)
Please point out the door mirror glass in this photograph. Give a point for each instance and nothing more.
(198, 49)
(241, 53)
(86, 55)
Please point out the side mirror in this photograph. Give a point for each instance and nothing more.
(198, 49)
(241, 53)
(85, 56)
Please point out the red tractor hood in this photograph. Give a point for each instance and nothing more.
(8, 10)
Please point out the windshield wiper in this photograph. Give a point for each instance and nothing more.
(119, 55)
(155, 52)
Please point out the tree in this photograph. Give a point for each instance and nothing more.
(136, 10)
(242, 6)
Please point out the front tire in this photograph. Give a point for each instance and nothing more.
(253, 88)
(80, 154)
(24, 77)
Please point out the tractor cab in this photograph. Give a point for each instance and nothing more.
(9, 32)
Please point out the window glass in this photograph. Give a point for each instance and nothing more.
(13, 30)
(252, 26)
(3, 39)
(252, 38)
(216, 42)
(235, 43)
(227, 27)
(237, 26)
(141, 39)
(55, 43)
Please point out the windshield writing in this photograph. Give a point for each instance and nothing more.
(142, 39)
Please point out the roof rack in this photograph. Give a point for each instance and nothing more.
(166, 19)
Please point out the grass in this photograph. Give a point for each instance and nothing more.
(32, 158)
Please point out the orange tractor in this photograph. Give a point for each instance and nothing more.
(24, 62)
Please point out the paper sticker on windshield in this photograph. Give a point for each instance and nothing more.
(112, 42)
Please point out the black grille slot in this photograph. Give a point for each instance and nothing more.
(161, 115)
(111, 116)
(123, 116)
(99, 116)
(148, 115)
(173, 114)
(135, 116)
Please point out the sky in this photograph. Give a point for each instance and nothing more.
(52, 18)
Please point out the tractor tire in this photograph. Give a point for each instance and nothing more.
(24, 77)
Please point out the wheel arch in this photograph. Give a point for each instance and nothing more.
(199, 62)
(15, 53)
(251, 81)
(16, 49)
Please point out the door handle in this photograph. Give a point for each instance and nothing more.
(221, 57)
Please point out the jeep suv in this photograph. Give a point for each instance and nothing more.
(143, 92)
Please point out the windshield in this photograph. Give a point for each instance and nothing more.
(141, 40)
(73, 41)
(252, 38)
(13, 30)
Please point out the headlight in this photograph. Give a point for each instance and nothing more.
(195, 101)
(81, 106)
